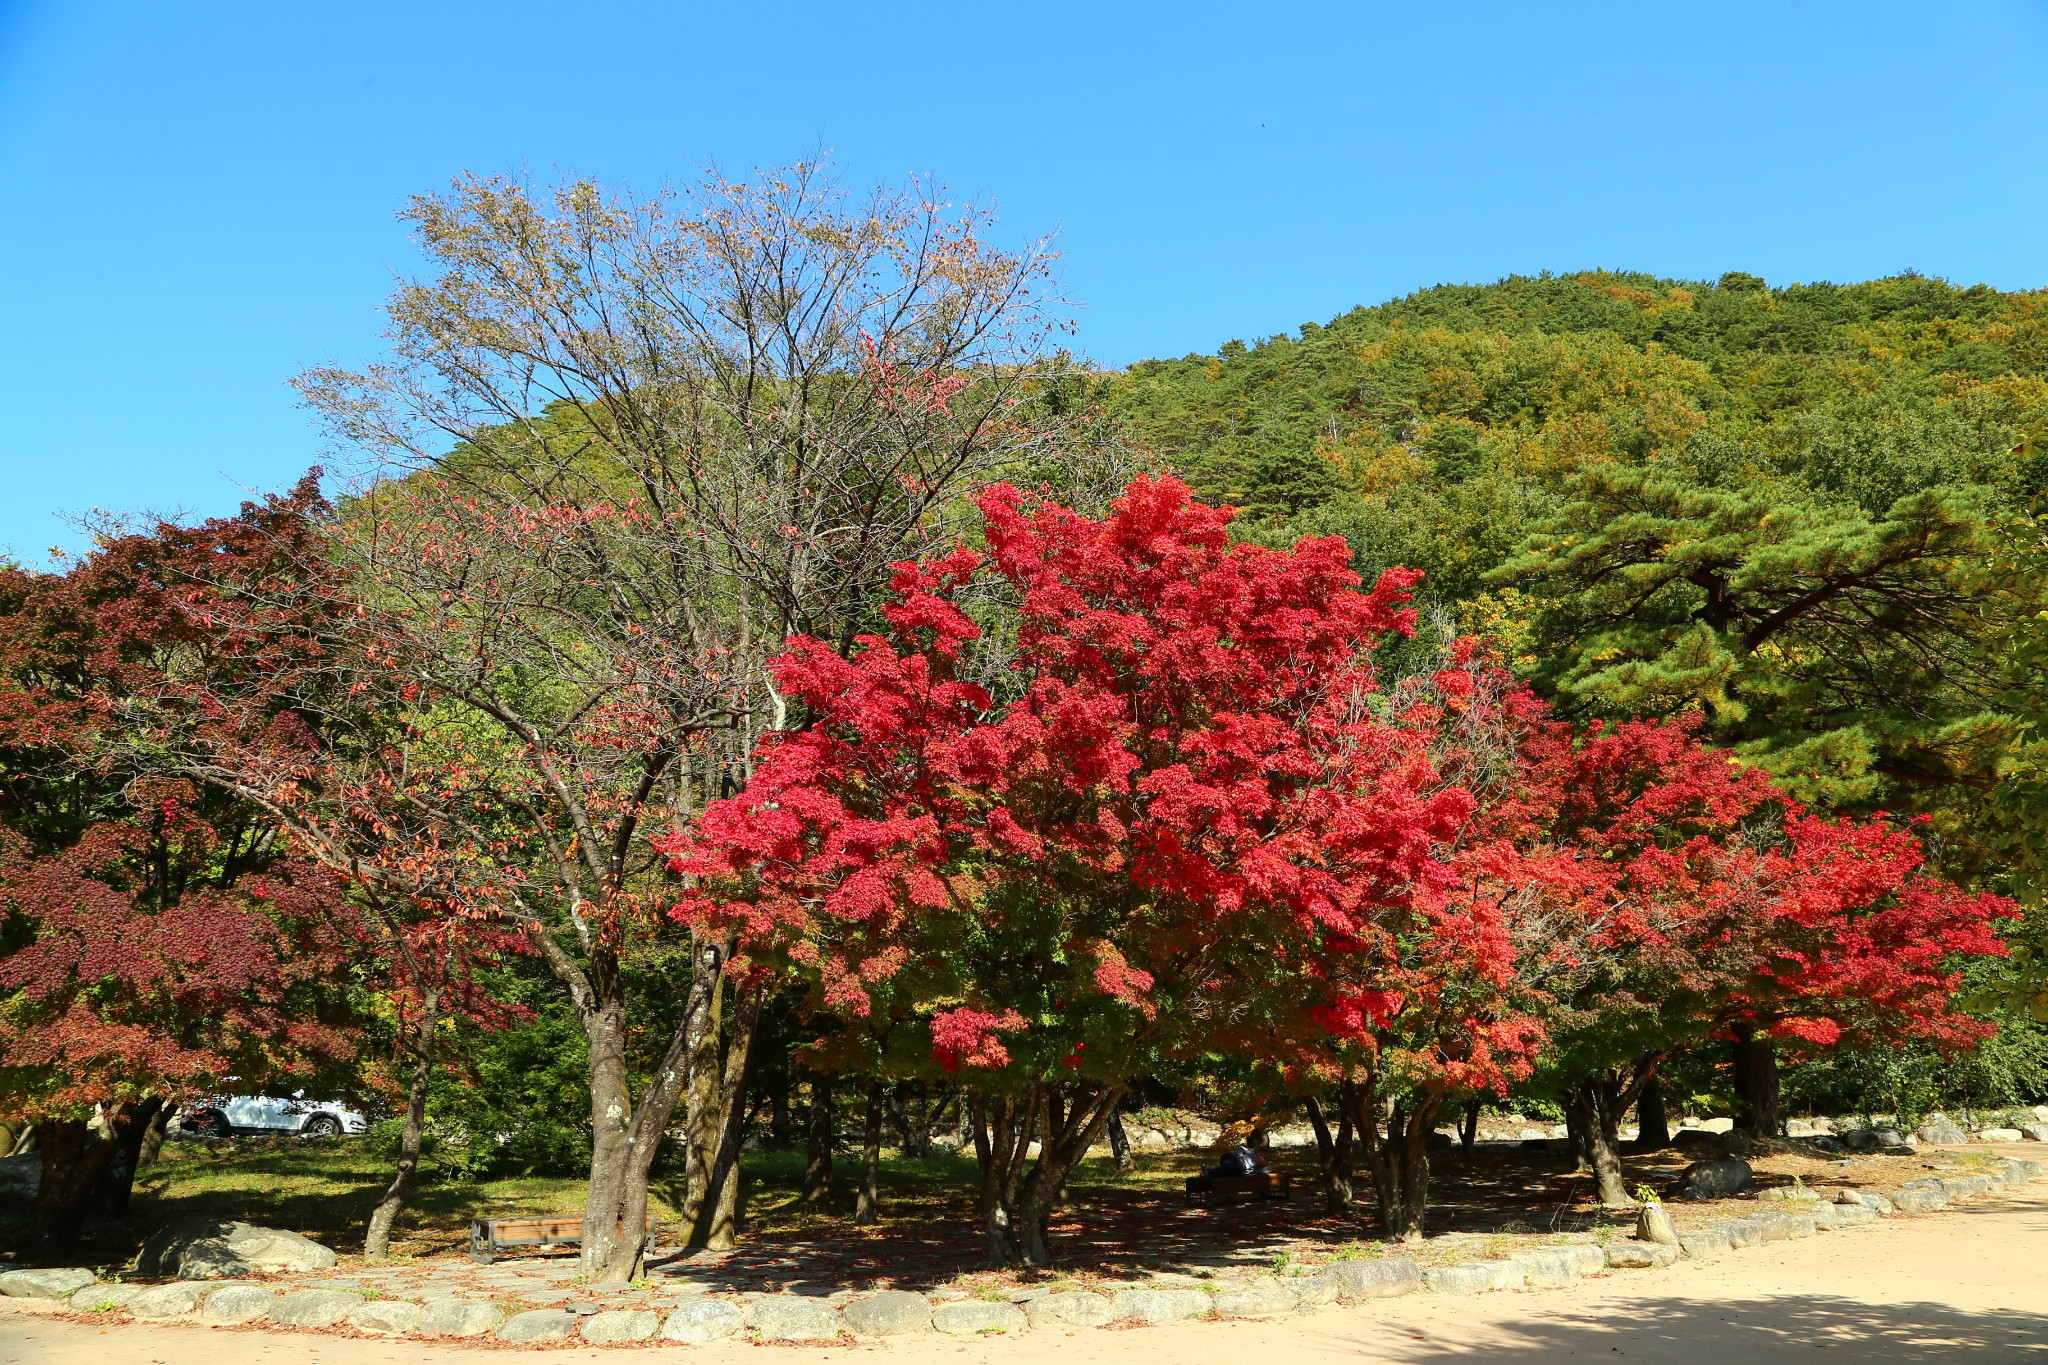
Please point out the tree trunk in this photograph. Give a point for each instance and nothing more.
(1468, 1131)
(1756, 1081)
(1017, 1208)
(1400, 1164)
(865, 1209)
(71, 1168)
(377, 1241)
(721, 1223)
(1120, 1143)
(818, 1140)
(1653, 1126)
(700, 1127)
(615, 1212)
(153, 1138)
(1594, 1116)
(1333, 1153)
(130, 1125)
(1575, 1135)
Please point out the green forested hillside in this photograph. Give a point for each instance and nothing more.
(1770, 507)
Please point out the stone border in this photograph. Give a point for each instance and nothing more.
(897, 1313)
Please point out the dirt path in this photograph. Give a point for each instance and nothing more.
(1970, 1284)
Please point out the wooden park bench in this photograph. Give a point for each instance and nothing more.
(489, 1236)
(1253, 1186)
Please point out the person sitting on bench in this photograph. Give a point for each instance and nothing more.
(1240, 1161)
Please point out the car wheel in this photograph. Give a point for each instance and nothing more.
(211, 1124)
(322, 1125)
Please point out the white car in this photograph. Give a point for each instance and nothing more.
(224, 1116)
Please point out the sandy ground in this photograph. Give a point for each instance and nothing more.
(1968, 1284)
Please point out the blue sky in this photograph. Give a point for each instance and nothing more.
(196, 201)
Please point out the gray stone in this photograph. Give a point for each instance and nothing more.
(1803, 1226)
(2035, 1132)
(1821, 1213)
(167, 1301)
(460, 1318)
(791, 1317)
(314, 1307)
(1777, 1227)
(1267, 1299)
(100, 1298)
(1474, 1277)
(1385, 1278)
(237, 1304)
(1713, 1179)
(1704, 1244)
(1861, 1140)
(1161, 1305)
(1071, 1309)
(45, 1284)
(386, 1318)
(1654, 1224)
(703, 1320)
(220, 1249)
(1854, 1215)
(1559, 1265)
(1787, 1194)
(1941, 1133)
(1923, 1199)
(621, 1324)
(539, 1324)
(971, 1317)
(1625, 1255)
(1744, 1233)
(1312, 1291)
(1875, 1200)
(2001, 1135)
(889, 1314)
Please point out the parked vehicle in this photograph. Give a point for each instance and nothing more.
(224, 1116)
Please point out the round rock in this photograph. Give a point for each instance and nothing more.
(100, 1298)
(168, 1300)
(314, 1307)
(621, 1324)
(45, 1284)
(702, 1321)
(970, 1317)
(792, 1317)
(459, 1318)
(386, 1318)
(542, 1324)
(888, 1314)
(237, 1304)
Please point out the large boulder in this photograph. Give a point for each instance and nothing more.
(1713, 1179)
(1920, 1197)
(1939, 1132)
(45, 1284)
(222, 1249)
(2001, 1135)
(888, 1314)
(21, 1176)
(2035, 1132)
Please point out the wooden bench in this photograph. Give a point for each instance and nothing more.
(489, 1236)
(1256, 1186)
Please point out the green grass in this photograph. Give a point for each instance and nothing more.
(326, 1190)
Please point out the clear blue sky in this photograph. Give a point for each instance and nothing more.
(196, 200)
